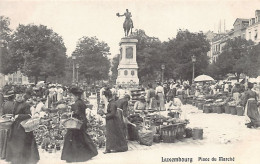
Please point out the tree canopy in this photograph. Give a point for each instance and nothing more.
(91, 55)
(238, 56)
(37, 51)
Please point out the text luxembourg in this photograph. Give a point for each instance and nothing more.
(177, 159)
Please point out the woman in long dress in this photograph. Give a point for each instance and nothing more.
(251, 107)
(150, 98)
(21, 145)
(78, 146)
(8, 108)
(115, 136)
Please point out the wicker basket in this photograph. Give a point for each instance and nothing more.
(72, 123)
(30, 124)
(172, 132)
(233, 110)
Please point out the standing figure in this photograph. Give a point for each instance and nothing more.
(21, 145)
(78, 146)
(251, 107)
(115, 135)
(128, 24)
(59, 93)
(7, 108)
(160, 93)
(150, 98)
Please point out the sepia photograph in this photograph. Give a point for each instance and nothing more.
(129, 81)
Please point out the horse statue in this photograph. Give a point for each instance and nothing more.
(128, 24)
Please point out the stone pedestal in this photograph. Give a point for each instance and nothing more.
(127, 68)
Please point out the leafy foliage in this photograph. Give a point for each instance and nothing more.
(37, 51)
(91, 55)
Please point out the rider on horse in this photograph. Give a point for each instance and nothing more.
(128, 16)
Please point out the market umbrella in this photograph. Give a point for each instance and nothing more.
(203, 78)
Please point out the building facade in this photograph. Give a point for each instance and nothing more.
(253, 28)
(17, 78)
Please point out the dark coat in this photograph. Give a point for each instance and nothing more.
(123, 104)
(78, 146)
(21, 145)
(115, 135)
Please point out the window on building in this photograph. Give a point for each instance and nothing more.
(126, 72)
(132, 73)
(256, 34)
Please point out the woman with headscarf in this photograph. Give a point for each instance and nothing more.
(21, 145)
(115, 135)
(7, 108)
(251, 107)
(78, 146)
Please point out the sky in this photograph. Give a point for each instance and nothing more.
(158, 18)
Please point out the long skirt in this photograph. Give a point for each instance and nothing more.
(78, 146)
(3, 142)
(252, 112)
(152, 105)
(21, 146)
(161, 101)
(116, 134)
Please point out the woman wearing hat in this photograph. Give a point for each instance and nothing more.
(7, 108)
(115, 135)
(251, 107)
(21, 145)
(78, 146)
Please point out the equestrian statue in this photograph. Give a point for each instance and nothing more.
(128, 24)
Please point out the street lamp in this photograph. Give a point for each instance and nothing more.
(193, 59)
(73, 73)
(163, 68)
(77, 66)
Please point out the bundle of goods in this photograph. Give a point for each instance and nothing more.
(197, 133)
(145, 137)
(50, 134)
(137, 120)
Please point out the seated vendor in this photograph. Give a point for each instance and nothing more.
(176, 106)
(140, 105)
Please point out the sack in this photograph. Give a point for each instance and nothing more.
(145, 137)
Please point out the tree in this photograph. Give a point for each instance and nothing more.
(5, 32)
(148, 54)
(235, 58)
(91, 55)
(114, 66)
(179, 51)
(38, 51)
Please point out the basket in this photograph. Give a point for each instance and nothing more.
(206, 108)
(240, 110)
(172, 132)
(227, 109)
(30, 124)
(72, 123)
(219, 109)
(197, 133)
(233, 110)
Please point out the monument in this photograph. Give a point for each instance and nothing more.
(127, 68)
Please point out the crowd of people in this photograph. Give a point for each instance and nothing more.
(25, 102)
